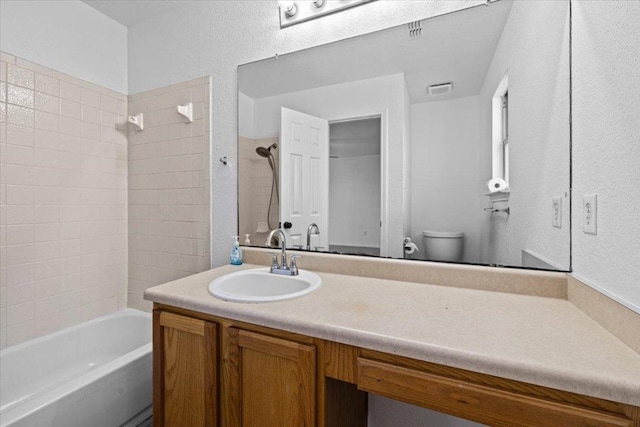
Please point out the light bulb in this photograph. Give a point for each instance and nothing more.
(290, 8)
(318, 3)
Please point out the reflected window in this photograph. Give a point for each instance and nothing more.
(500, 133)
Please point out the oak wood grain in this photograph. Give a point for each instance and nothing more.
(341, 361)
(476, 402)
(270, 381)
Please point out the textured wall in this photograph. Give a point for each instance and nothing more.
(606, 145)
(68, 36)
(63, 191)
(534, 49)
(168, 188)
(215, 37)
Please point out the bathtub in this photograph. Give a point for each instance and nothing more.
(94, 374)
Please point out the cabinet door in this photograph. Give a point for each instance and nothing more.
(267, 381)
(184, 363)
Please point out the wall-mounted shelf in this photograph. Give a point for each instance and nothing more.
(186, 111)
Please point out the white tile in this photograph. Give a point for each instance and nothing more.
(47, 288)
(46, 84)
(46, 269)
(18, 155)
(19, 195)
(20, 135)
(20, 96)
(19, 274)
(19, 333)
(45, 158)
(20, 313)
(20, 76)
(47, 306)
(69, 91)
(90, 97)
(70, 126)
(46, 195)
(47, 325)
(47, 121)
(46, 139)
(70, 109)
(20, 234)
(91, 114)
(47, 103)
(19, 214)
(46, 232)
(20, 116)
(46, 177)
(47, 251)
(19, 294)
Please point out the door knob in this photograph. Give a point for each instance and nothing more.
(287, 225)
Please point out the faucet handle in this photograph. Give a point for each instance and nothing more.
(274, 260)
(294, 267)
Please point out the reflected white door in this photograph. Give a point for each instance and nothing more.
(304, 177)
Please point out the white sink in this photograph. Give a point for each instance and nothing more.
(259, 285)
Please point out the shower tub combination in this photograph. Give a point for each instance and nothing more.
(95, 374)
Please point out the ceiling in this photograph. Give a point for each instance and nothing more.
(131, 12)
(456, 47)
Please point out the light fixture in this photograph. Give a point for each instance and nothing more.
(295, 12)
(290, 9)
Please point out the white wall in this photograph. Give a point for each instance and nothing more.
(215, 37)
(362, 98)
(606, 145)
(68, 36)
(446, 172)
(354, 201)
(534, 49)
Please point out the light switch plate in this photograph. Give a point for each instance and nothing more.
(589, 214)
(556, 206)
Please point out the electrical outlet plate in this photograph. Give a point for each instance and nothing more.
(556, 206)
(589, 214)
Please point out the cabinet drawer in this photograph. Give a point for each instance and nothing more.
(476, 402)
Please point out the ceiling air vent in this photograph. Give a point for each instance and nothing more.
(415, 30)
(440, 89)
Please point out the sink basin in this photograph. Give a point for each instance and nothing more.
(259, 285)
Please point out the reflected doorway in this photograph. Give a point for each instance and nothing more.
(355, 186)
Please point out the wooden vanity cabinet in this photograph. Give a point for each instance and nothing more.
(184, 371)
(260, 377)
(267, 381)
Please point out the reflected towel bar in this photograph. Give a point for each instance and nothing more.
(504, 210)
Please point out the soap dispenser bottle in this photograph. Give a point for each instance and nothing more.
(236, 252)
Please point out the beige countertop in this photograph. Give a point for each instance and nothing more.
(539, 340)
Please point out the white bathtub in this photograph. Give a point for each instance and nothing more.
(90, 375)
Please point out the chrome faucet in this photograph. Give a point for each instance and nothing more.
(313, 226)
(282, 268)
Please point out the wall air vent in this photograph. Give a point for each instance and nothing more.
(415, 30)
(440, 89)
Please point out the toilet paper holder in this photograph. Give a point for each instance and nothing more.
(501, 210)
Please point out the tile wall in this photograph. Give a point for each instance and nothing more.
(254, 189)
(168, 188)
(63, 204)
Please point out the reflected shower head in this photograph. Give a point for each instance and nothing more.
(266, 151)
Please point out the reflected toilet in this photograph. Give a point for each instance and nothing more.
(443, 245)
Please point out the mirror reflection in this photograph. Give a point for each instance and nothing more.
(446, 139)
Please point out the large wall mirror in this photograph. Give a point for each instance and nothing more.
(446, 139)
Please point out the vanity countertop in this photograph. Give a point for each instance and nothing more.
(539, 340)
